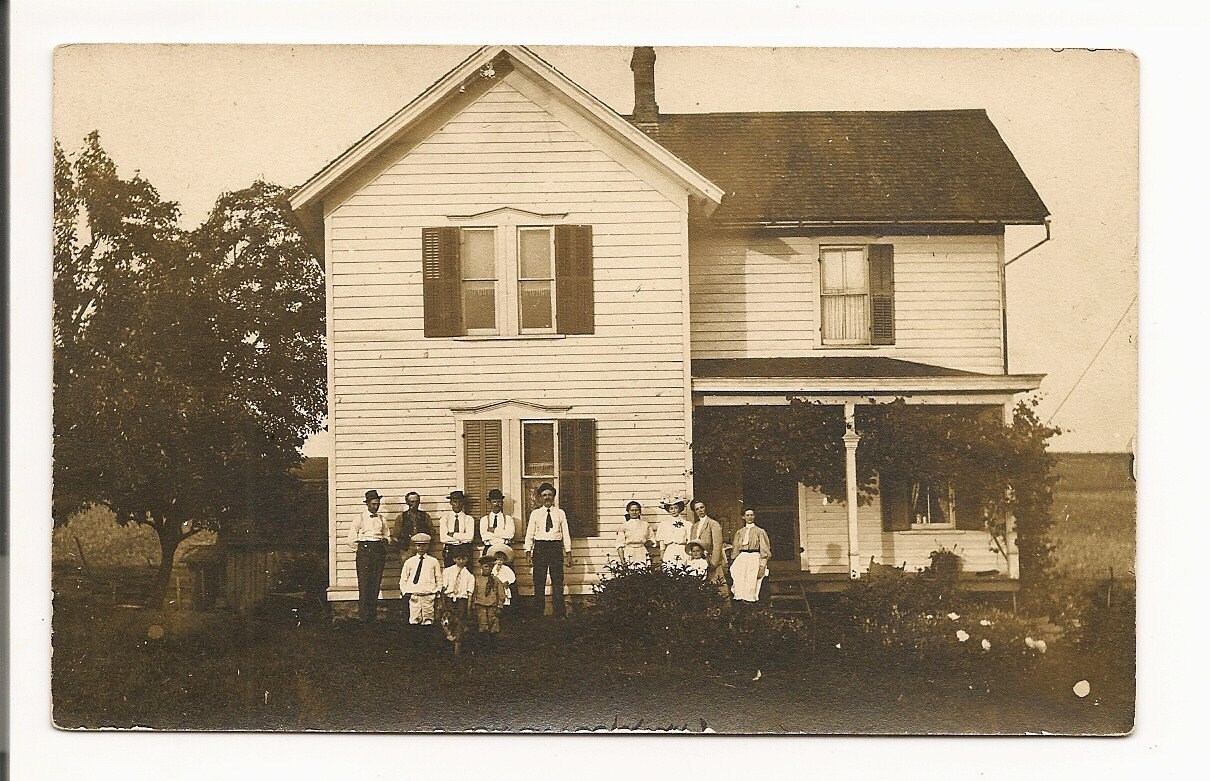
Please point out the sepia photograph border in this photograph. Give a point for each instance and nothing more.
(31, 100)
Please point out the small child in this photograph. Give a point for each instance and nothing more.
(503, 556)
(487, 601)
(420, 580)
(697, 563)
(457, 586)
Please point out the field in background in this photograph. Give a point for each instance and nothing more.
(1095, 517)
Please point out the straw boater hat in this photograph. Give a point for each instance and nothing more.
(455, 494)
(695, 544)
(494, 550)
(420, 538)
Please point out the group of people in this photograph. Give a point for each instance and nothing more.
(698, 545)
(449, 593)
(446, 591)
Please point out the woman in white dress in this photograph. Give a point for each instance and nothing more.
(672, 534)
(752, 551)
(634, 537)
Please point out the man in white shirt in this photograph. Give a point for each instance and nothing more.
(457, 528)
(370, 534)
(496, 528)
(548, 542)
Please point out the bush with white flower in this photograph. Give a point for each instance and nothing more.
(906, 621)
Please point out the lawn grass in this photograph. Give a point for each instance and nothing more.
(214, 671)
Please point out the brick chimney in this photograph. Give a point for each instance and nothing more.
(646, 116)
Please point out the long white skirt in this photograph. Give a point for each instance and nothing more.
(635, 554)
(744, 576)
(674, 555)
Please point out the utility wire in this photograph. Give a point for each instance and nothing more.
(1121, 320)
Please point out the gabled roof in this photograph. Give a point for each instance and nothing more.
(483, 64)
(799, 168)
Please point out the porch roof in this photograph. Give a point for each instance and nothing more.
(840, 375)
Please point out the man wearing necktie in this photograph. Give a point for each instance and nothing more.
(548, 542)
(457, 529)
(496, 528)
(370, 534)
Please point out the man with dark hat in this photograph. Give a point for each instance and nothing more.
(496, 528)
(547, 542)
(370, 534)
(457, 529)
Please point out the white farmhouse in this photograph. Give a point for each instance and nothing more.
(526, 286)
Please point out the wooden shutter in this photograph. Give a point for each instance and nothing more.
(442, 274)
(573, 279)
(481, 457)
(882, 293)
(895, 500)
(578, 475)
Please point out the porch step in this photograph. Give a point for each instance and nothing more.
(789, 597)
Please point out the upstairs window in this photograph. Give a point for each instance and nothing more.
(844, 296)
(508, 280)
(479, 280)
(856, 295)
(536, 279)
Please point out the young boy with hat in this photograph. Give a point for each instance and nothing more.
(370, 534)
(503, 556)
(457, 528)
(420, 581)
(487, 600)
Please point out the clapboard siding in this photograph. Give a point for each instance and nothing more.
(394, 390)
(753, 296)
(825, 535)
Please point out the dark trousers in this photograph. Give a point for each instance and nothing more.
(371, 556)
(548, 558)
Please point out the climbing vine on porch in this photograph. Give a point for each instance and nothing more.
(997, 468)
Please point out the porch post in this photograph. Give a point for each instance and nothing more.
(1012, 555)
(850, 479)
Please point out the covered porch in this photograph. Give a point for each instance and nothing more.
(823, 539)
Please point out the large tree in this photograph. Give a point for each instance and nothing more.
(188, 365)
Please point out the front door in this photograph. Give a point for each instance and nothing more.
(774, 499)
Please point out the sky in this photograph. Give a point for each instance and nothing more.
(201, 120)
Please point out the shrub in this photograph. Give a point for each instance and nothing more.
(674, 615)
(910, 622)
(1105, 621)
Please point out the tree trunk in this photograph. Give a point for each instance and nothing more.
(170, 536)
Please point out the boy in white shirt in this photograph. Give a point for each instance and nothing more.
(457, 586)
(420, 581)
